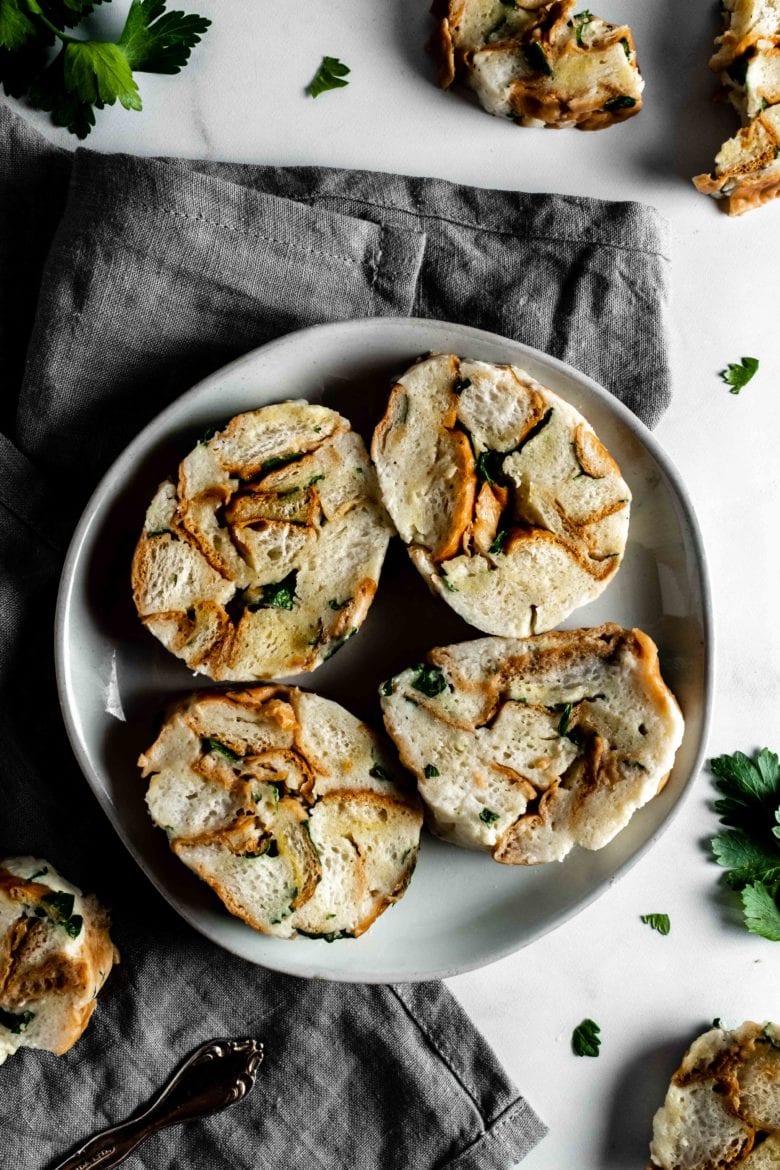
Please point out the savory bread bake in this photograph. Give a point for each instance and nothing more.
(261, 558)
(538, 62)
(55, 955)
(512, 509)
(723, 1105)
(747, 60)
(287, 806)
(526, 748)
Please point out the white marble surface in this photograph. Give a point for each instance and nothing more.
(242, 98)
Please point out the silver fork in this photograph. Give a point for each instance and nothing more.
(214, 1076)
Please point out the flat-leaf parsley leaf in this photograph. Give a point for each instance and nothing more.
(738, 374)
(585, 1039)
(330, 75)
(749, 849)
(659, 922)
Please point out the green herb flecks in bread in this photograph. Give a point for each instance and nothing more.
(287, 806)
(267, 522)
(55, 955)
(513, 511)
(526, 748)
(540, 64)
(723, 1104)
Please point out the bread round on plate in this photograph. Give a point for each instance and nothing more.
(262, 557)
(525, 748)
(287, 806)
(539, 64)
(55, 955)
(513, 511)
(723, 1104)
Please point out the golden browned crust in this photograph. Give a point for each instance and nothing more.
(748, 193)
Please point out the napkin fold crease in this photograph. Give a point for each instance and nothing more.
(122, 282)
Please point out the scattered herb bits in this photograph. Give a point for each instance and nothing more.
(431, 772)
(623, 102)
(331, 74)
(15, 1022)
(579, 22)
(586, 1039)
(488, 816)
(749, 849)
(430, 681)
(658, 922)
(738, 374)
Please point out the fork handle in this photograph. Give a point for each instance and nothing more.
(214, 1076)
(109, 1147)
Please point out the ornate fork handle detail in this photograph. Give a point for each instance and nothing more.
(214, 1076)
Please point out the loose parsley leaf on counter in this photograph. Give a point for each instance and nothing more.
(738, 374)
(586, 1039)
(659, 922)
(749, 849)
(330, 75)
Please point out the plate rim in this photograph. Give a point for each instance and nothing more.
(116, 473)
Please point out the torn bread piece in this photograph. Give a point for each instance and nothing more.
(526, 748)
(287, 806)
(723, 1104)
(55, 956)
(263, 556)
(746, 173)
(512, 509)
(747, 167)
(541, 64)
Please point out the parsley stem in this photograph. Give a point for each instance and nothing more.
(37, 11)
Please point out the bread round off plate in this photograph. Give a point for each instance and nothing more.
(722, 1107)
(511, 508)
(55, 955)
(461, 910)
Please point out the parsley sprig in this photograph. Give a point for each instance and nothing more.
(749, 849)
(87, 74)
(738, 374)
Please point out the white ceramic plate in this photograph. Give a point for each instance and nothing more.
(462, 910)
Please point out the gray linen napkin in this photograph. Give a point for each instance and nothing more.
(149, 274)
